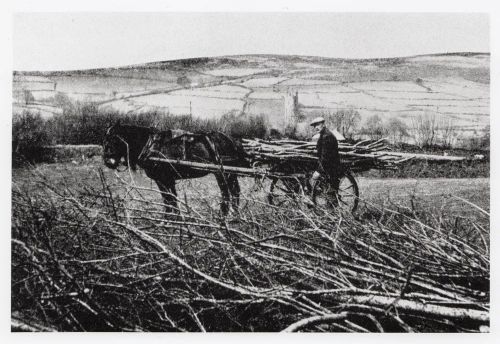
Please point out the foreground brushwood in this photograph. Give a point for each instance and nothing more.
(103, 258)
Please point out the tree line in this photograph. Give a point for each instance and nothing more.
(83, 123)
(428, 130)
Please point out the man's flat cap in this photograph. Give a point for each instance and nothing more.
(317, 120)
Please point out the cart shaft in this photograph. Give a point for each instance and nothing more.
(250, 172)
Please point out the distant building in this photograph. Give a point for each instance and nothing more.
(291, 107)
(337, 134)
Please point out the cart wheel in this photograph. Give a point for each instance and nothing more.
(284, 191)
(347, 197)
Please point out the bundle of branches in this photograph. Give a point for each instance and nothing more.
(105, 258)
(360, 156)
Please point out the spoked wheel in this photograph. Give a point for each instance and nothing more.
(284, 191)
(347, 197)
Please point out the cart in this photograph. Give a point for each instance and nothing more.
(291, 182)
(291, 163)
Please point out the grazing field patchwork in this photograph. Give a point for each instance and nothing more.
(219, 91)
(263, 82)
(235, 71)
(203, 107)
(452, 87)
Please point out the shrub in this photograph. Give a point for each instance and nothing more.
(246, 126)
(28, 136)
(83, 123)
(478, 141)
(28, 97)
(397, 130)
(346, 121)
(374, 127)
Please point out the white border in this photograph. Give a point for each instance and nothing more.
(8, 8)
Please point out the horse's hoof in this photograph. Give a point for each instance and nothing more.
(233, 216)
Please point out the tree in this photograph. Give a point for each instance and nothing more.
(346, 121)
(374, 127)
(397, 130)
(28, 97)
(28, 135)
(485, 140)
(448, 133)
(425, 129)
(479, 140)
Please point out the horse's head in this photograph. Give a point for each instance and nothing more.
(114, 147)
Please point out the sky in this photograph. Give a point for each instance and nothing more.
(64, 41)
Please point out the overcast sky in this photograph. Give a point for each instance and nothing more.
(61, 41)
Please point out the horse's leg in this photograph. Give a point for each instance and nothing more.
(223, 185)
(234, 189)
(173, 201)
(169, 196)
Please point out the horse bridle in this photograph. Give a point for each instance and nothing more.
(127, 166)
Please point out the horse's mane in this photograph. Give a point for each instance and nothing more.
(135, 128)
(134, 133)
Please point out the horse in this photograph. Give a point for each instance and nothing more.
(135, 146)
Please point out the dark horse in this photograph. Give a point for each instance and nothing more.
(134, 145)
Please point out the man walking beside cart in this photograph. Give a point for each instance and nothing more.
(329, 166)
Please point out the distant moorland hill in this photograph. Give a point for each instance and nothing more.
(451, 86)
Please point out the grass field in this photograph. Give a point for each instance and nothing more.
(443, 195)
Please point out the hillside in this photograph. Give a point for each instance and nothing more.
(453, 86)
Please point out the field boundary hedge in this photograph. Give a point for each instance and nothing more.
(68, 153)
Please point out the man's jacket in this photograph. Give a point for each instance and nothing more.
(328, 153)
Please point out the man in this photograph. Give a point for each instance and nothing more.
(328, 156)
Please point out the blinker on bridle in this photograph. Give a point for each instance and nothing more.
(127, 166)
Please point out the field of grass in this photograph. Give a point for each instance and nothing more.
(398, 192)
(446, 197)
